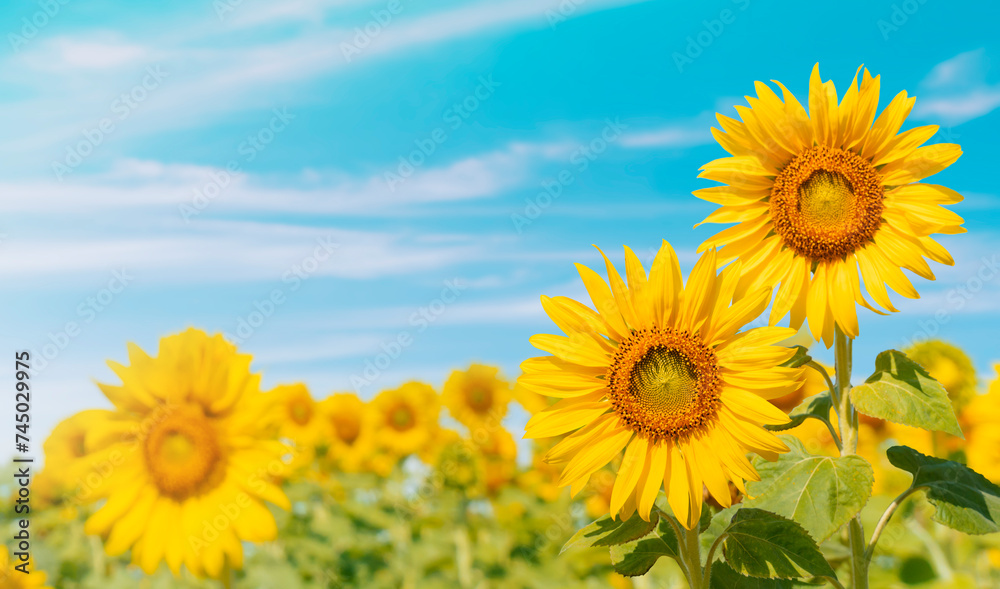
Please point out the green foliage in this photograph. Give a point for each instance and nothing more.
(819, 492)
(815, 407)
(763, 544)
(964, 499)
(801, 358)
(901, 391)
(608, 531)
(635, 558)
(724, 577)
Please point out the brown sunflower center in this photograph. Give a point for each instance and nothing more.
(183, 453)
(479, 397)
(347, 428)
(401, 417)
(664, 383)
(827, 202)
(300, 410)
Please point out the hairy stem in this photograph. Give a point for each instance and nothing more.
(707, 582)
(692, 554)
(884, 521)
(849, 438)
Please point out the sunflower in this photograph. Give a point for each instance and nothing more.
(351, 431)
(191, 462)
(68, 451)
(950, 366)
(982, 419)
(661, 372)
(819, 196)
(295, 416)
(407, 417)
(12, 578)
(477, 396)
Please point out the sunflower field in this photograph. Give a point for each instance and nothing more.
(681, 433)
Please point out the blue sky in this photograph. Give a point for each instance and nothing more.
(200, 157)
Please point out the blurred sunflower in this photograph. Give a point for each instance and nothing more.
(982, 416)
(459, 464)
(11, 578)
(190, 446)
(407, 417)
(296, 417)
(476, 396)
(351, 436)
(499, 452)
(542, 479)
(68, 447)
(817, 196)
(661, 372)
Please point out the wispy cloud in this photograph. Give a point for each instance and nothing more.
(957, 90)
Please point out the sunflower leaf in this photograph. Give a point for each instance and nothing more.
(763, 544)
(724, 577)
(821, 493)
(901, 391)
(964, 499)
(635, 558)
(609, 532)
(816, 407)
(801, 358)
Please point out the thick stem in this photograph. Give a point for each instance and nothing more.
(227, 576)
(693, 557)
(849, 445)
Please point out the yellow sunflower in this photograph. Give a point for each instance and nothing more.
(407, 417)
(295, 415)
(12, 578)
(950, 366)
(819, 196)
(661, 371)
(352, 431)
(191, 464)
(982, 430)
(477, 396)
(67, 449)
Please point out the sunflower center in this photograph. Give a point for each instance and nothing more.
(348, 428)
(479, 398)
(401, 418)
(827, 202)
(183, 453)
(663, 383)
(300, 410)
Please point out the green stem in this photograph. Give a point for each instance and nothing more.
(707, 582)
(692, 555)
(826, 376)
(884, 521)
(227, 576)
(849, 438)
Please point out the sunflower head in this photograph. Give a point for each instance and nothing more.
(71, 445)
(819, 196)
(188, 439)
(950, 366)
(351, 431)
(477, 396)
(661, 371)
(406, 417)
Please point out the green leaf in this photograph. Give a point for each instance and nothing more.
(716, 527)
(901, 391)
(608, 532)
(801, 358)
(635, 558)
(724, 577)
(964, 499)
(819, 492)
(763, 544)
(816, 407)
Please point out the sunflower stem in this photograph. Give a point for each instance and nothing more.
(848, 417)
(692, 554)
(227, 576)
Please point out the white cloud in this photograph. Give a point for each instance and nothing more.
(956, 91)
(670, 136)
